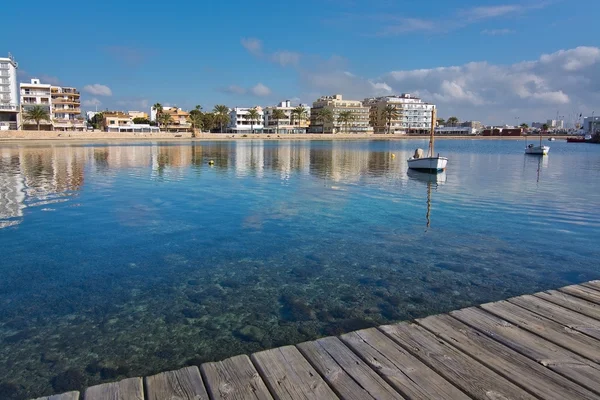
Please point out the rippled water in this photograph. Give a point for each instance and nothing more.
(124, 260)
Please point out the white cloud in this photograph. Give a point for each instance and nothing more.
(234, 89)
(260, 90)
(98, 90)
(285, 58)
(253, 45)
(497, 32)
(93, 102)
(567, 80)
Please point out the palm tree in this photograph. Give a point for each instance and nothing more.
(524, 126)
(196, 118)
(299, 114)
(390, 113)
(345, 117)
(221, 115)
(159, 110)
(164, 119)
(452, 121)
(545, 127)
(37, 114)
(278, 114)
(253, 115)
(325, 115)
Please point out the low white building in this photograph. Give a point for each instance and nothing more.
(239, 122)
(289, 124)
(135, 128)
(456, 130)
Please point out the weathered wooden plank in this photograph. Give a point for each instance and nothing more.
(345, 372)
(235, 378)
(127, 389)
(592, 285)
(64, 396)
(562, 335)
(571, 302)
(517, 368)
(548, 354)
(289, 376)
(183, 384)
(561, 315)
(399, 368)
(583, 292)
(463, 371)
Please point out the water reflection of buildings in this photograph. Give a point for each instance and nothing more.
(36, 176)
(32, 176)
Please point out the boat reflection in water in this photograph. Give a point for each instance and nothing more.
(432, 181)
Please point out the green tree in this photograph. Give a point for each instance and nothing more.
(299, 114)
(196, 118)
(253, 115)
(325, 115)
(164, 119)
(159, 110)
(37, 114)
(97, 121)
(390, 112)
(441, 122)
(278, 114)
(345, 117)
(209, 121)
(524, 126)
(452, 121)
(545, 127)
(141, 120)
(221, 115)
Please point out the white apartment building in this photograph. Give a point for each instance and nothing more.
(591, 125)
(289, 124)
(240, 123)
(62, 103)
(555, 124)
(9, 94)
(414, 115)
(34, 94)
(336, 104)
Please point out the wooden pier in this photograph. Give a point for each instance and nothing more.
(541, 346)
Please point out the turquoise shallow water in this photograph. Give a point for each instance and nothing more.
(124, 260)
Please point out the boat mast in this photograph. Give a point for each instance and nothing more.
(432, 133)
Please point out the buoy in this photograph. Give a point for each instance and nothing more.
(211, 162)
(393, 155)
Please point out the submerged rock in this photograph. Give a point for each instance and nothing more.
(10, 391)
(295, 309)
(250, 333)
(69, 380)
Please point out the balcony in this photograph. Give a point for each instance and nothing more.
(8, 107)
(34, 93)
(58, 100)
(4, 66)
(66, 110)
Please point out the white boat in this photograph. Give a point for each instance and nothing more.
(551, 139)
(430, 163)
(539, 150)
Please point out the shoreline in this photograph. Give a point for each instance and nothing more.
(51, 136)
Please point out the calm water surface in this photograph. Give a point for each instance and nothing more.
(124, 260)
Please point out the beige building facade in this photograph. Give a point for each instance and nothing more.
(288, 125)
(337, 105)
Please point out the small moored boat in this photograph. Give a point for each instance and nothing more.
(430, 163)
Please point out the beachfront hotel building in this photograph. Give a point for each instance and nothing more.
(180, 120)
(34, 94)
(9, 94)
(414, 115)
(289, 124)
(62, 104)
(337, 104)
(119, 121)
(240, 123)
(66, 109)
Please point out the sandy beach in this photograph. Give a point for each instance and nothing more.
(25, 136)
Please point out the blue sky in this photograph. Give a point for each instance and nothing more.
(487, 60)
